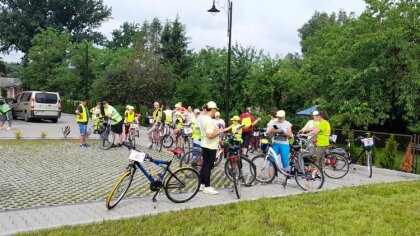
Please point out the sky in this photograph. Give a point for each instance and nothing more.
(270, 25)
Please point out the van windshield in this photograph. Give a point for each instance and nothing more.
(49, 98)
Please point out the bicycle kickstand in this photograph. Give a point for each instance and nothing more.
(154, 199)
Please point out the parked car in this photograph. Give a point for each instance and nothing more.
(37, 105)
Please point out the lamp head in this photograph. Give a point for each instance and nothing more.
(213, 10)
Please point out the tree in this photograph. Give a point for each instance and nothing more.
(20, 21)
(124, 37)
(48, 66)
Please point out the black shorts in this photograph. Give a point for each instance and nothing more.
(117, 128)
(246, 137)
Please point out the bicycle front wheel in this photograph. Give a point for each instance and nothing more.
(106, 140)
(247, 170)
(265, 169)
(192, 159)
(311, 178)
(235, 173)
(132, 134)
(120, 189)
(182, 185)
(167, 141)
(369, 163)
(335, 166)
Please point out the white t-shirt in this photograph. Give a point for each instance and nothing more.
(207, 125)
(285, 125)
(220, 123)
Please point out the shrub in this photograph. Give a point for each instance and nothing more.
(407, 164)
(43, 134)
(18, 134)
(387, 158)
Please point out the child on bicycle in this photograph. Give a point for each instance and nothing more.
(234, 127)
(129, 117)
(178, 125)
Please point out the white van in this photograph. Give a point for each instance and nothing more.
(37, 105)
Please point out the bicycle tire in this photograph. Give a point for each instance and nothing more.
(234, 170)
(369, 163)
(187, 160)
(335, 166)
(132, 137)
(176, 184)
(106, 140)
(263, 165)
(167, 141)
(248, 171)
(219, 157)
(306, 181)
(126, 176)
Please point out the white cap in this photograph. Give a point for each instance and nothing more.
(217, 113)
(177, 105)
(315, 113)
(130, 107)
(281, 113)
(212, 105)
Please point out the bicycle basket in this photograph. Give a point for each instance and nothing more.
(368, 143)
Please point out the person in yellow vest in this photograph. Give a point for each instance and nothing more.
(116, 121)
(96, 116)
(178, 126)
(82, 118)
(234, 127)
(129, 117)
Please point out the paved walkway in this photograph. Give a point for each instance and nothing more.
(56, 184)
(14, 221)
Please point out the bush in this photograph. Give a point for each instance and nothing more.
(387, 158)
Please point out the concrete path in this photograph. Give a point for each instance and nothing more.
(24, 220)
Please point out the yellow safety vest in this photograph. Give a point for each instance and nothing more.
(238, 136)
(82, 117)
(196, 133)
(168, 116)
(129, 117)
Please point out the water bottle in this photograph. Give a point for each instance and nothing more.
(152, 173)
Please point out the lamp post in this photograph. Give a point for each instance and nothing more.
(214, 10)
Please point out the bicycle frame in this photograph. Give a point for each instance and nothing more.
(272, 154)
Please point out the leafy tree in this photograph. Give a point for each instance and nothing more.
(389, 153)
(20, 21)
(2, 68)
(49, 62)
(124, 37)
(10, 69)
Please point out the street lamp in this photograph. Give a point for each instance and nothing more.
(214, 10)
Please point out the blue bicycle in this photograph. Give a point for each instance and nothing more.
(180, 186)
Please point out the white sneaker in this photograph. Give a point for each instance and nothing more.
(8, 128)
(201, 187)
(210, 190)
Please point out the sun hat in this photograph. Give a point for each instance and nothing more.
(177, 105)
(281, 113)
(212, 105)
(235, 118)
(315, 113)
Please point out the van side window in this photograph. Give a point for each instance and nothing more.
(26, 97)
(49, 98)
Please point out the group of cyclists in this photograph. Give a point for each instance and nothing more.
(208, 127)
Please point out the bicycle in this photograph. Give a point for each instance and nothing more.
(183, 138)
(180, 186)
(107, 136)
(167, 140)
(132, 133)
(368, 143)
(254, 145)
(234, 166)
(155, 138)
(307, 175)
(194, 158)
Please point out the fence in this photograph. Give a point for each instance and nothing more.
(406, 144)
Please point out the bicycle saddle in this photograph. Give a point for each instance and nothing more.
(177, 152)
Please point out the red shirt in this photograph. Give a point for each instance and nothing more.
(247, 118)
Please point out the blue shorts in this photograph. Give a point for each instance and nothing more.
(82, 129)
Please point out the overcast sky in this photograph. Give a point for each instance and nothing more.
(270, 25)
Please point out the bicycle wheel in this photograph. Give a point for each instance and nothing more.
(182, 185)
(219, 156)
(192, 159)
(312, 177)
(167, 141)
(132, 137)
(120, 188)
(265, 169)
(157, 142)
(106, 140)
(369, 163)
(335, 166)
(247, 171)
(186, 144)
(235, 173)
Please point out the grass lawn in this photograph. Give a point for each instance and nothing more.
(384, 209)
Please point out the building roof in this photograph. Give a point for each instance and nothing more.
(9, 82)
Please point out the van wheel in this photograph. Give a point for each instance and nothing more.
(54, 120)
(27, 119)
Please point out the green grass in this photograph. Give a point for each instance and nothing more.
(384, 209)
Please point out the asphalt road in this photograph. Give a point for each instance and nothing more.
(33, 129)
